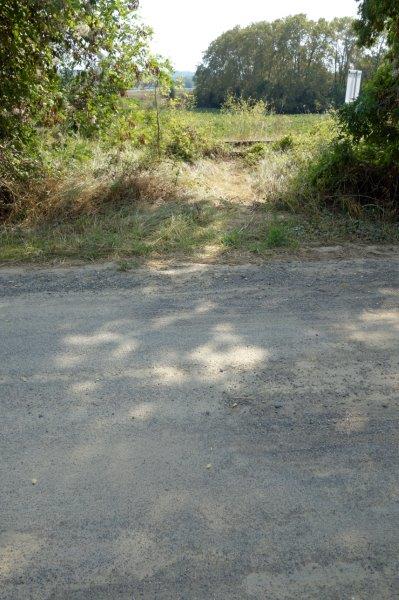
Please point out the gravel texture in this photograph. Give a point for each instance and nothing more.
(200, 432)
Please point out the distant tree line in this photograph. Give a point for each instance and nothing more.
(294, 64)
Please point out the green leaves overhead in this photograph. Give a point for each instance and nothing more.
(66, 60)
(375, 17)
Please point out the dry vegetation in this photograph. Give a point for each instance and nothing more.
(122, 204)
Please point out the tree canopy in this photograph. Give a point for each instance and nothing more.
(375, 17)
(293, 64)
(66, 59)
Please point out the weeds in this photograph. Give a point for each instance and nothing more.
(125, 265)
(254, 154)
(284, 144)
(277, 236)
(260, 237)
(247, 119)
(356, 180)
(92, 201)
(104, 179)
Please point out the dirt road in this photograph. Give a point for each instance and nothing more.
(200, 432)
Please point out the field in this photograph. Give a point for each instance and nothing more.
(251, 125)
(204, 198)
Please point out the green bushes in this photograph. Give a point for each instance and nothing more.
(254, 154)
(67, 62)
(356, 178)
(19, 161)
(187, 143)
(63, 68)
(360, 169)
(284, 144)
(374, 117)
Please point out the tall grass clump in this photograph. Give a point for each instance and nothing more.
(244, 119)
(282, 177)
(82, 177)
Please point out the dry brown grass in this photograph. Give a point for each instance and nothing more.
(117, 205)
(90, 190)
(224, 181)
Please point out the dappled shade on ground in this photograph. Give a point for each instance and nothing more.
(200, 431)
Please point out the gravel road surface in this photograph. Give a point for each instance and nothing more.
(200, 432)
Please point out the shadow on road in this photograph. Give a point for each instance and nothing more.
(222, 435)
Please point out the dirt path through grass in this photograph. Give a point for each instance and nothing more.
(215, 210)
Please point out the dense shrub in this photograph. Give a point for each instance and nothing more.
(284, 144)
(374, 117)
(361, 167)
(254, 154)
(356, 178)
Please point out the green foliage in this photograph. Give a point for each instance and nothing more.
(252, 125)
(186, 143)
(246, 117)
(294, 64)
(351, 177)
(375, 17)
(239, 106)
(63, 66)
(66, 61)
(284, 144)
(277, 236)
(234, 238)
(360, 169)
(30, 35)
(254, 154)
(258, 239)
(374, 117)
(184, 138)
(16, 167)
(114, 55)
(95, 200)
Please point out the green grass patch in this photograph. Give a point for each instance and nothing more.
(250, 126)
(171, 228)
(261, 237)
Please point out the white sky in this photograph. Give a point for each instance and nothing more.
(183, 29)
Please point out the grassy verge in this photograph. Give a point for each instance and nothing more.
(99, 203)
(202, 225)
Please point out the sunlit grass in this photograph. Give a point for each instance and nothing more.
(100, 204)
(256, 127)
